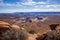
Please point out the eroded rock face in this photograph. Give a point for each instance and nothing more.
(15, 26)
(53, 26)
(4, 26)
(54, 34)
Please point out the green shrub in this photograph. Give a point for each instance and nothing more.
(14, 34)
(31, 31)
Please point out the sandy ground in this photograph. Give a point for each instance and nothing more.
(32, 37)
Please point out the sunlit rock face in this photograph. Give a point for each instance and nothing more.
(7, 25)
(15, 26)
(4, 26)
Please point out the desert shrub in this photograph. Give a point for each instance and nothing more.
(52, 35)
(14, 34)
(31, 31)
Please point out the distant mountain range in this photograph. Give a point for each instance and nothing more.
(35, 13)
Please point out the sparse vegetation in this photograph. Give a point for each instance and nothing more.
(14, 34)
(52, 35)
(32, 31)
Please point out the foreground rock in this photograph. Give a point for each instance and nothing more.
(54, 34)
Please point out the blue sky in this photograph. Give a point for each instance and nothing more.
(8, 6)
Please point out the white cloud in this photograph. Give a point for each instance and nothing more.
(53, 6)
(42, 3)
(28, 3)
(36, 6)
(7, 4)
(30, 10)
(47, 6)
(24, 2)
(31, 2)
